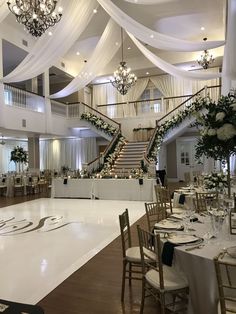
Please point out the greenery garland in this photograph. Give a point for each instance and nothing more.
(99, 123)
(175, 121)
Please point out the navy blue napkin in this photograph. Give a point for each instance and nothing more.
(182, 199)
(194, 219)
(168, 253)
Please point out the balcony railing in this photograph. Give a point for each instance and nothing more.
(22, 99)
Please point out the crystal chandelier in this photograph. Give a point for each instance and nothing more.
(36, 15)
(123, 80)
(206, 59)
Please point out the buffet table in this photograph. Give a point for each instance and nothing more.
(105, 189)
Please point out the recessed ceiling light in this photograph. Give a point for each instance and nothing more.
(95, 11)
(77, 53)
(147, 73)
(152, 36)
(129, 48)
(117, 43)
(50, 33)
(202, 28)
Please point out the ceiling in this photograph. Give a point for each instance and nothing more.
(179, 18)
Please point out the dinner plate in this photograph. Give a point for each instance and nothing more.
(170, 225)
(179, 216)
(231, 251)
(183, 239)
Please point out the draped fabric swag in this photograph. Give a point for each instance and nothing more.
(102, 55)
(3, 10)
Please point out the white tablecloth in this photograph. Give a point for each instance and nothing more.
(105, 189)
(199, 268)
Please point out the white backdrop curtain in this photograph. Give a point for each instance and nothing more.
(67, 152)
(100, 97)
(148, 2)
(5, 155)
(150, 36)
(49, 49)
(171, 69)
(102, 55)
(3, 10)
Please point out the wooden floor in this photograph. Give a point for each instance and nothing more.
(94, 288)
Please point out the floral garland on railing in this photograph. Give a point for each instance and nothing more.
(99, 123)
(112, 156)
(175, 121)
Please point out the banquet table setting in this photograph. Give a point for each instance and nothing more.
(191, 241)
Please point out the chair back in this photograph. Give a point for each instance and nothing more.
(187, 177)
(155, 212)
(125, 231)
(205, 200)
(232, 222)
(225, 267)
(150, 252)
(18, 180)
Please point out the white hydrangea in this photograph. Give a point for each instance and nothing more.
(220, 116)
(211, 132)
(226, 132)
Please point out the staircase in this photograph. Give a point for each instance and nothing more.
(129, 157)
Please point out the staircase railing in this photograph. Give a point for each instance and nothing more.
(207, 90)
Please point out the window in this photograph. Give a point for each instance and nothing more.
(147, 106)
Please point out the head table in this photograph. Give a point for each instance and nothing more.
(105, 189)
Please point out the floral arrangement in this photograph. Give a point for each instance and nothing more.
(218, 129)
(215, 181)
(99, 123)
(137, 173)
(112, 155)
(175, 121)
(19, 155)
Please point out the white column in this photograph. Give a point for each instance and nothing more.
(2, 100)
(33, 151)
(48, 111)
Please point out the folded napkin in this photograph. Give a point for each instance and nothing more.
(194, 219)
(181, 199)
(168, 253)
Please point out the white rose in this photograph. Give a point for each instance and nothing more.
(211, 132)
(220, 116)
(233, 106)
(226, 132)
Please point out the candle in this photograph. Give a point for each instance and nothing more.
(97, 175)
(130, 176)
(115, 176)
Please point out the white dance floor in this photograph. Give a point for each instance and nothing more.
(44, 241)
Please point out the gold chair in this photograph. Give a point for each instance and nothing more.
(232, 222)
(158, 280)
(187, 177)
(131, 255)
(18, 185)
(225, 267)
(3, 186)
(155, 212)
(205, 200)
(163, 196)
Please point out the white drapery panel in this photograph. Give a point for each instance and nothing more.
(134, 94)
(3, 10)
(152, 37)
(49, 49)
(229, 60)
(102, 55)
(169, 86)
(148, 2)
(171, 69)
(67, 152)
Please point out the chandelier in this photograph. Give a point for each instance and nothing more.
(123, 80)
(206, 59)
(36, 15)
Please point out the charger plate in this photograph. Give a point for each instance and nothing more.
(169, 225)
(183, 239)
(231, 251)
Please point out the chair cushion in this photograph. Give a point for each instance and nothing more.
(133, 254)
(172, 279)
(229, 305)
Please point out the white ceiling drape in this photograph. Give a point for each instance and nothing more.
(152, 37)
(148, 2)
(49, 49)
(171, 69)
(102, 55)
